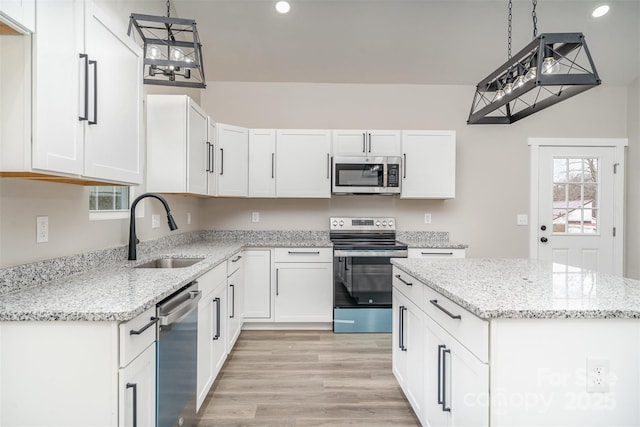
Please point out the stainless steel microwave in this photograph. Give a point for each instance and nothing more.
(366, 175)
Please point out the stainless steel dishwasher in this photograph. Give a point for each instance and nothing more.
(177, 349)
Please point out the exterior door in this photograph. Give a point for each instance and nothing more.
(578, 195)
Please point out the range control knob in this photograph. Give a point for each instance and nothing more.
(334, 223)
(384, 223)
(390, 223)
(341, 223)
(377, 223)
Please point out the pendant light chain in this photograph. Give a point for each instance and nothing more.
(509, 31)
(535, 18)
(168, 9)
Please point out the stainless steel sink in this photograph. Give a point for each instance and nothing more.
(170, 263)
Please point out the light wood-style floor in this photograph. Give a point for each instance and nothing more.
(307, 378)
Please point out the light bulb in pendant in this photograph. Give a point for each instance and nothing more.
(499, 94)
(520, 80)
(153, 52)
(550, 65)
(531, 73)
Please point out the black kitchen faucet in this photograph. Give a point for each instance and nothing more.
(133, 240)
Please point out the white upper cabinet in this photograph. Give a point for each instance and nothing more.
(87, 95)
(233, 160)
(303, 163)
(179, 152)
(429, 165)
(262, 163)
(366, 143)
(19, 14)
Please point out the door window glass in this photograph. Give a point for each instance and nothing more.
(575, 195)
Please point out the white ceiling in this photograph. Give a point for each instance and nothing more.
(398, 41)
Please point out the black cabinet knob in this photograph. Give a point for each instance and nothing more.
(544, 239)
(544, 227)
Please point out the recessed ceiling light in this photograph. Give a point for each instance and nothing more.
(600, 11)
(283, 7)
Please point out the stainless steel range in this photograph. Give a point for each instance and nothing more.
(362, 249)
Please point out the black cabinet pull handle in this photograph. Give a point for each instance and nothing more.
(403, 309)
(85, 57)
(236, 259)
(135, 402)
(328, 165)
(403, 281)
(208, 156)
(213, 156)
(95, 93)
(369, 142)
(222, 161)
(153, 321)
(304, 252)
(273, 165)
(277, 282)
(447, 312)
(404, 169)
(364, 142)
(440, 373)
(444, 381)
(437, 253)
(233, 302)
(217, 335)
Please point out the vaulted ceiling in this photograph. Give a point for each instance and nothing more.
(399, 41)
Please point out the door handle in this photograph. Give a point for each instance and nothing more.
(95, 93)
(135, 402)
(544, 239)
(85, 58)
(217, 335)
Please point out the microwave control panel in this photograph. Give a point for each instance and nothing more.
(393, 175)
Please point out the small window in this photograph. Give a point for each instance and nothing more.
(108, 202)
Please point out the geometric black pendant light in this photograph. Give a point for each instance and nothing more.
(551, 68)
(172, 50)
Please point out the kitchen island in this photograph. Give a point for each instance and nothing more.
(516, 342)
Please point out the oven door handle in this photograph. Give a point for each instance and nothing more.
(370, 253)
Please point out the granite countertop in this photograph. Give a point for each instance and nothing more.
(427, 239)
(115, 291)
(527, 289)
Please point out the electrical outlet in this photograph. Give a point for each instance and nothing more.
(155, 221)
(597, 375)
(255, 216)
(427, 218)
(188, 218)
(522, 219)
(42, 229)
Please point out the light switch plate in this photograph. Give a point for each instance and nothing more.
(42, 229)
(155, 221)
(427, 218)
(522, 219)
(255, 216)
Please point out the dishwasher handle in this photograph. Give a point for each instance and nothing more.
(189, 302)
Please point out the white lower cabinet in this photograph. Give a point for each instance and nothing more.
(137, 390)
(212, 332)
(445, 383)
(257, 285)
(408, 355)
(304, 285)
(235, 299)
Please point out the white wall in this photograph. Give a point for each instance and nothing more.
(632, 234)
(492, 172)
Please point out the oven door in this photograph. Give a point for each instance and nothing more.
(359, 175)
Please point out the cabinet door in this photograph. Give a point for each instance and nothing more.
(235, 313)
(303, 162)
(113, 139)
(304, 292)
(197, 149)
(456, 382)
(349, 142)
(233, 163)
(58, 135)
(408, 350)
(137, 396)
(257, 285)
(384, 143)
(211, 339)
(262, 163)
(429, 167)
